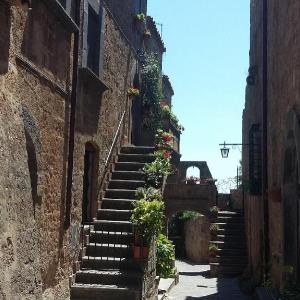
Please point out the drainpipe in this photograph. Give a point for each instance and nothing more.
(72, 120)
(265, 138)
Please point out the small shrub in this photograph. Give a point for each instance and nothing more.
(213, 249)
(165, 255)
(214, 210)
(148, 218)
(189, 215)
(148, 194)
(214, 229)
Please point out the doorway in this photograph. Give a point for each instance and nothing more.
(89, 200)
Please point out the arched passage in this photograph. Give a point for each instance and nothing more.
(89, 197)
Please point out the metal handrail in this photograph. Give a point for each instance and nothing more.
(108, 158)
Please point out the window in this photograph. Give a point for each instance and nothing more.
(93, 41)
(93, 36)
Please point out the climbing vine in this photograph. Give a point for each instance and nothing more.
(151, 93)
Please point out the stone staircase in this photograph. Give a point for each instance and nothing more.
(107, 269)
(231, 258)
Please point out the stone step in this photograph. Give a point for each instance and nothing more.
(114, 226)
(230, 259)
(107, 250)
(104, 292)
(114, 214)
(228, 270)
(120, 194)
(142, 158)
(125, 184)
(108, 203)
(229, 245)
(107, 237)
(106, 263)
(231, 226)
(232, 232)
(137, 150)
(129, 166)
(226, 219)
(127, 175)
(231, 213)
(230, 238)
(231, 252)
(109, 277)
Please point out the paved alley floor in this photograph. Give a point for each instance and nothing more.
(194, 283)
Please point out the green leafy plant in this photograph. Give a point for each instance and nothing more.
(165, 255)
(140, 17)
(156, 171)
(148, 219)
(213, 250)
(214, 228)
(168, 114)
(133, 92)
(214, 211)
(189, 215)
(148, 194)
(151, 93)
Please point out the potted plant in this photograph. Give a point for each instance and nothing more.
(147, 218)
(214, 228)
(140, 17)
(213, 250)
(133, 92)
(147, 33)
(214, 211)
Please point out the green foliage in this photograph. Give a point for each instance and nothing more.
(165, 254)
(156, 171)
(214, 229)
(148, 218)
(140, 17)
(148, 194)
(213, 248)
(189, 215)
(167, 113)
(163, 140)
(214, 210)
(151, 92)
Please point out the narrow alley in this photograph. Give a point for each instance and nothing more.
(195, 283)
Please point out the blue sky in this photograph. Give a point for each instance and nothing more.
(207, 55)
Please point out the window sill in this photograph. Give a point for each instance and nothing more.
(62, 14)
(89, 76)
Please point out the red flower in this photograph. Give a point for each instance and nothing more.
(167, 154)
(167, 138)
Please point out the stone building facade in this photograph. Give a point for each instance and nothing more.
(271, 128)
(65, 70)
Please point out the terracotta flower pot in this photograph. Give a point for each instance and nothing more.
(140, 252)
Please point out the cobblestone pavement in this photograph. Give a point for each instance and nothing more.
(194, 283)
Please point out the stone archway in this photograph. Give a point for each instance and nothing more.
(290, 194)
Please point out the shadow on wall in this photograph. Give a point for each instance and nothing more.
(4, 37)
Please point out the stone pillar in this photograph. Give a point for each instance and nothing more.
(197, 238)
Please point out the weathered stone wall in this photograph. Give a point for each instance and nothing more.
(98, 114)
(284, 97)
(34, 119)
(252, 115)
(283, 105)
(197, 238)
